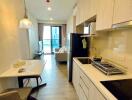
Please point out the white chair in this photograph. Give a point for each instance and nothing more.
(16, 94)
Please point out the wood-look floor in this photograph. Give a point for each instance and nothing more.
(58, 87)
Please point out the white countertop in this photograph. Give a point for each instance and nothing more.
(32, 67)
(96, 76)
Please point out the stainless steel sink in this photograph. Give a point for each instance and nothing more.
(84, 60)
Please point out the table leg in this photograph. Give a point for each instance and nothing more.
(20, 82)
(34, 89)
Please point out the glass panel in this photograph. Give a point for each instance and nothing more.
(55, 38)
(86, 30)
(47, 39)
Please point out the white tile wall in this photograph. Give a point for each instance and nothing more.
(116, 46)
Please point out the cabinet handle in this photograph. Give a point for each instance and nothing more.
(84, 83)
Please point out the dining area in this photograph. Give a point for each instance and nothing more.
(23, 71)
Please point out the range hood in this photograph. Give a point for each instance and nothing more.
(122, 25)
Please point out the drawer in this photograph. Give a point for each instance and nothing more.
(82, 95)
(85, 79)
(85, 88)
(98, 95)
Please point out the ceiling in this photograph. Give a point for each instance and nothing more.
(61, 9)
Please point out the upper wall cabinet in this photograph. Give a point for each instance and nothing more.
(86, 10)
(105, 14)
(77, 15)
(93, 8)
(122, 11)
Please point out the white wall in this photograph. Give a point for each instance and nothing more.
(24, 44)
(11, 11)
(33, 37)
(70, 25)
(29, 40)
(15, 43)
(116, 46)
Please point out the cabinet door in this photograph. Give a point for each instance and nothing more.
(82, 17)
(104, 14)
(96, 95)
(122, 11)
(85, 88)
(93, 7)
(86, 11)
(76, 77)
(77, 15)
(82, 95)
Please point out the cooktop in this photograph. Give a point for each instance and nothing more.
(121, 89)
(107, 68)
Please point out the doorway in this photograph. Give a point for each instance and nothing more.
(51, 38)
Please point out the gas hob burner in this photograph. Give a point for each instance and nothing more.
(107, 68)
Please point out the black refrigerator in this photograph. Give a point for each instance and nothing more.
(78, 47)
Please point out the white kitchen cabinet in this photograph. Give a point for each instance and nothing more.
(90, 92)
(90, 7)
(76, 77)
(84, 83)
(86, 10)
(82, 95)
(122, 11)
(98, 95)
(80, 12)
(104, 14)
(93, 8)
(77, 15)
(85, 89)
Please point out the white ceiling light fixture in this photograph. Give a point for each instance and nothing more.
(49, 8)
(51, 19)
(25, 23)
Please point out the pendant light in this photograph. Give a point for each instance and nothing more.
(25, 22)
(47, 1)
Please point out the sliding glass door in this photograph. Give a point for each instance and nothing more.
(56, 37)
(51, 38)
(47, 39)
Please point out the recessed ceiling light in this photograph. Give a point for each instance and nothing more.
(49, 8)
(51, 18)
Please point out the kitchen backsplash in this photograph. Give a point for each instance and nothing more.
(115, 46)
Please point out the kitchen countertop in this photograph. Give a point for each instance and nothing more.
(96, 76)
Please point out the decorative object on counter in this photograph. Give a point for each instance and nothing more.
(25, 22)
(21, 70)
(19, 63)
(97, 58)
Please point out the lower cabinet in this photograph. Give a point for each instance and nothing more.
(82, 95)
(85, 89)
(76, 77)
(97, 95)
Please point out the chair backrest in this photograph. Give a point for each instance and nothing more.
(11, 95)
